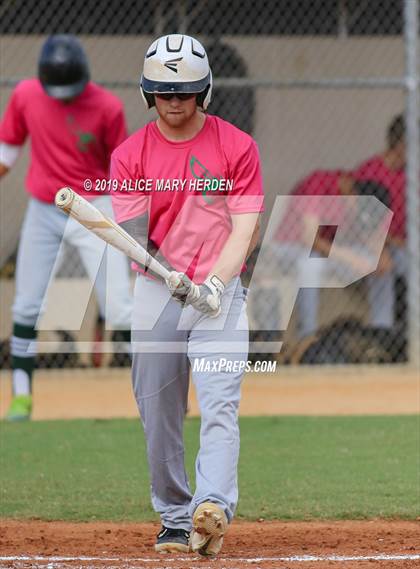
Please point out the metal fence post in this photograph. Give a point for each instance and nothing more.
(411, 17)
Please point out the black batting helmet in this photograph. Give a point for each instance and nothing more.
(63, 68)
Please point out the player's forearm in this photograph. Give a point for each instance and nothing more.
(8, 155)
(322, 245)
(3, 170)
(310, 237)
(254, 239)
(396, 241)
(239, 245)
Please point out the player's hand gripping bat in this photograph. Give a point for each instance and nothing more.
(90, 217)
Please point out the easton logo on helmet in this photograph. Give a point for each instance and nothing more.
(172, 64)
(176, 64)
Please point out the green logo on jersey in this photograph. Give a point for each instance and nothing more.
(200, 172)
(83, 138)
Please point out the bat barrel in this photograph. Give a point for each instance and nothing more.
(95, 221)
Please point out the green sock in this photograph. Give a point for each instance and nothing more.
(23, 363)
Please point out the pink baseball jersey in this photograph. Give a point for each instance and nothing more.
(70, 142)
(318, 183)
(190, 190)
(375, 169)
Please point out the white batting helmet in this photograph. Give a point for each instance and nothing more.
(176, 64)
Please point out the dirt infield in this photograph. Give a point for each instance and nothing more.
(264, 545)
(106, 393)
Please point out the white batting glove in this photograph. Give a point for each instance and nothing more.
(182, 288)
(210, 294)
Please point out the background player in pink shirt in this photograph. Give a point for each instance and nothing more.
(388, 168)
(303, 219)
(202, 230)
(73, 125)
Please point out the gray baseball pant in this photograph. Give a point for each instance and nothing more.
(168, 340)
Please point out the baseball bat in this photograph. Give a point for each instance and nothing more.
(90, 217)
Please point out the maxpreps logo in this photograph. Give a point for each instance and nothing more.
(172, 64)
(203, 365)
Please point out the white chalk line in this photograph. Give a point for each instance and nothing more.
(291, 559)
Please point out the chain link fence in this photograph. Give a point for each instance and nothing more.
(329, 89)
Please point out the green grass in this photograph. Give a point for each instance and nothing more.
(290, 468)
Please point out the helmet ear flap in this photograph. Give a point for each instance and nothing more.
(207, 98)
(148, 98)
(203, 98)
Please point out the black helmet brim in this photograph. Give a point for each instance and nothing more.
(154, 87)
(65, 91)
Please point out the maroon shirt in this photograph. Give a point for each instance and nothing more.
(318, 183)
(375, 169)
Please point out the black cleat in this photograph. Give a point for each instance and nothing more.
(172, 540)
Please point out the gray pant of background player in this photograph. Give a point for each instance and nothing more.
(43, 231)
(178, 337)
(380, 288)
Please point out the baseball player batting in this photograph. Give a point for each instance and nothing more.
(74, 125)
(196, 211)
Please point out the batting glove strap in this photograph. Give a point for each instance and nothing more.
(210, 296)
(215, 284)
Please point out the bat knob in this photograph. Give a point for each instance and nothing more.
(64, 197)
